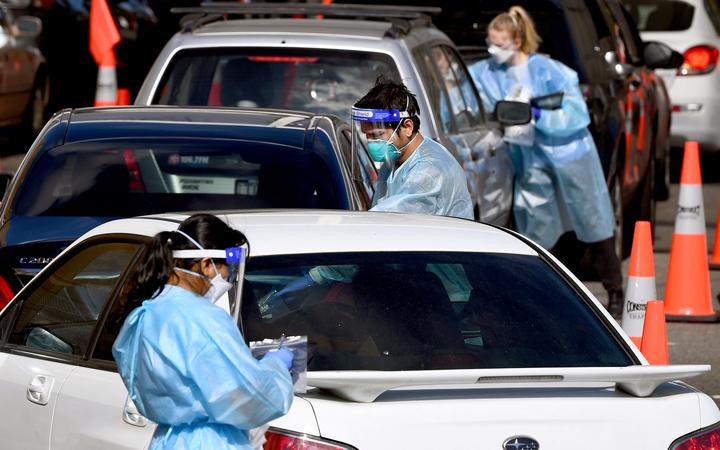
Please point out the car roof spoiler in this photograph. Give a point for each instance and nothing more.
(366, 386)
(403, 18)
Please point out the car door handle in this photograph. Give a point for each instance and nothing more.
(131, 415)
(39, 389)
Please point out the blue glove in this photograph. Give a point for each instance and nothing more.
(536, 113)
(283, 354)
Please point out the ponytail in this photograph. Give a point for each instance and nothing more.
(156, 268)
(520, 25)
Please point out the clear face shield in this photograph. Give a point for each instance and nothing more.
(376, 130)
(222, 288)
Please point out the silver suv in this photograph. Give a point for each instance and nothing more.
(323, 58)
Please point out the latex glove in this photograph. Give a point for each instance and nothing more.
(283, 354)
(536, 112)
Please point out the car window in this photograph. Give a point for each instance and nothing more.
(472, 115)
(120, 179)
(713, 10)
(426, 310)
(609, 34)
(436, 90)
(60, 315)
(364, 171)
(317, 80)
(661, 15)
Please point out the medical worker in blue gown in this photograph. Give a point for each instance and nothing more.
(183, 359)
(559, 186)
(418, 175)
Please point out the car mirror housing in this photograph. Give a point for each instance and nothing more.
(550, 101)
(510, 113)
(658, 55)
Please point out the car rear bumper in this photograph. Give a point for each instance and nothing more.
(696, 107)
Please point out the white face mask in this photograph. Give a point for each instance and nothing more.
(218, 285)
(501, 55)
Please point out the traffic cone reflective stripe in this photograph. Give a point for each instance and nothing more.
(715, 260)
(641, 282)
(106, 90)
(687, 293)
(654, 342)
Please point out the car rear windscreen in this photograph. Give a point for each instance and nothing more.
(316, 80)
(425, 311)
(122, 179)
(661, 15)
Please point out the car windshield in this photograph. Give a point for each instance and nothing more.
(121, 179)
(316, 80)
(661, 15)
(425, 310)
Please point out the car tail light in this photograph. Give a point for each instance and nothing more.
(287, 440)
(136, 184)
(699, 60)
(6, 294)
(704, 439)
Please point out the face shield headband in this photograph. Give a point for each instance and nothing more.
(233, 256)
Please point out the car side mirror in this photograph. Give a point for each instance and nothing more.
(28, 27)
(658, 55)
(510, 113)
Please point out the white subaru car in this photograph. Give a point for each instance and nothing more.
(691, 27)
(434, 333)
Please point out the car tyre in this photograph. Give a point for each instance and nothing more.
(662, 175)
(619, 215)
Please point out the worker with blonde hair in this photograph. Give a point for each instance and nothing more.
(559, 186)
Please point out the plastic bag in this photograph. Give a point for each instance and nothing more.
(298, 346)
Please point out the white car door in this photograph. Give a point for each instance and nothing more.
(93, 410)
(47, 334)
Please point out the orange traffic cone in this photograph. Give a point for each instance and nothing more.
(103, 37)
(654, 340)
(715, 260)
(123, 96)
(641, 282)
(687, 293)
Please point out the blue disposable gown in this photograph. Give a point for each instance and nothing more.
(430, 181)
(559, 184)
(187, 368)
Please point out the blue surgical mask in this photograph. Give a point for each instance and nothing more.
(381, 150)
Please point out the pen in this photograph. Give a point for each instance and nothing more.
(282, 339)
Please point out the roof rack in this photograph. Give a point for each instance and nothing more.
(402, 18)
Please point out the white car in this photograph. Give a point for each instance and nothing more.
(691, 27)
(437, 333)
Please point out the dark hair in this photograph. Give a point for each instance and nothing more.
(157, 263)
(389, 94)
